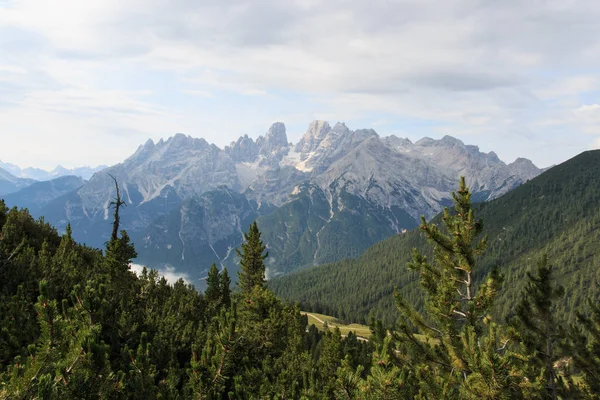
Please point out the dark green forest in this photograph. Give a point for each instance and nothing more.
(556, 214)
(78, 324)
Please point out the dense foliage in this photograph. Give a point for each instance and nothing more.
(77, 323)
(557, 214)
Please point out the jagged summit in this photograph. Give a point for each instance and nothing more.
(317, 131)
(275, 138)
(326, 154)
(190, 200)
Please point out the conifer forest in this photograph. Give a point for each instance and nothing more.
(77, 323)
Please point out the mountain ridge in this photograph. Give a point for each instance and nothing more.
(39, 174)
(336, 177)
(555, 214)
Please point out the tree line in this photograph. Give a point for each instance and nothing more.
(77, 323)
(556, 214)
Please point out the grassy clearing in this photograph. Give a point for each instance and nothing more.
(319, 320)
(363, 331)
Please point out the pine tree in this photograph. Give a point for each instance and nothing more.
(213, 287)
(3, 212)
(584, 346)
(252, 255)
(225, 289)
(540, 332)
(458, 314)
(213, 358)
(330, 359)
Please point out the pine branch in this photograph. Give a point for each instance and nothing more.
(16, 250)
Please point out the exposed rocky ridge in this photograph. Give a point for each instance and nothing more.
(334, 193)
(268, 150)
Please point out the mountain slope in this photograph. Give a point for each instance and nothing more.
(557, 213)
(39, 194)
(10, 183)
(330, 196)
(199, 232)
(316, 227)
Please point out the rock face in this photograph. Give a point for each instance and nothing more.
(244, 150)
(330, 196)
(317, 131)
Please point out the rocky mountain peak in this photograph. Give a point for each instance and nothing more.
(243, 150)
(525, 168)
(182, 147)
(340, 129)
(448, 140)
(492, 156)
(185, 190)
(317, 131)
(425, 142)
(398, 143)
(274, 141)
(182, 141)
(276, 135)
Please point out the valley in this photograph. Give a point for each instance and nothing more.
(299, 200)
(555, 213)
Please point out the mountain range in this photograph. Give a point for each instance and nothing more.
(555, 214)
(328, 197)
(10, 183)
(38, 174)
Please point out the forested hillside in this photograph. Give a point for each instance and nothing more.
(77, 323)
(557, 213)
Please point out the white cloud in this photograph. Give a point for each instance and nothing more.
(200, 93)
(589, 118)
(168, 272)
(502, 72)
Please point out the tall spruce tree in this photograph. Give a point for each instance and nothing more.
(456, 357)
(225, 289)
(213, 287)
(584, 346)
(540, 331)
(252, 255)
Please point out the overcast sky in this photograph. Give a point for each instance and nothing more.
(86, 82)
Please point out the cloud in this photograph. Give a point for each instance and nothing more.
(168, 272)
(200, 93)
(589, 118)
(494, 72)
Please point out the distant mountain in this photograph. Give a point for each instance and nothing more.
(10, 183)
(556, 213)
(43, 175)
(39, 194)
(327, 197)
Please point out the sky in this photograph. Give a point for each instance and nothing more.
(87, 82)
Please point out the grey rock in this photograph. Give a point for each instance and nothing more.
(188, 201)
